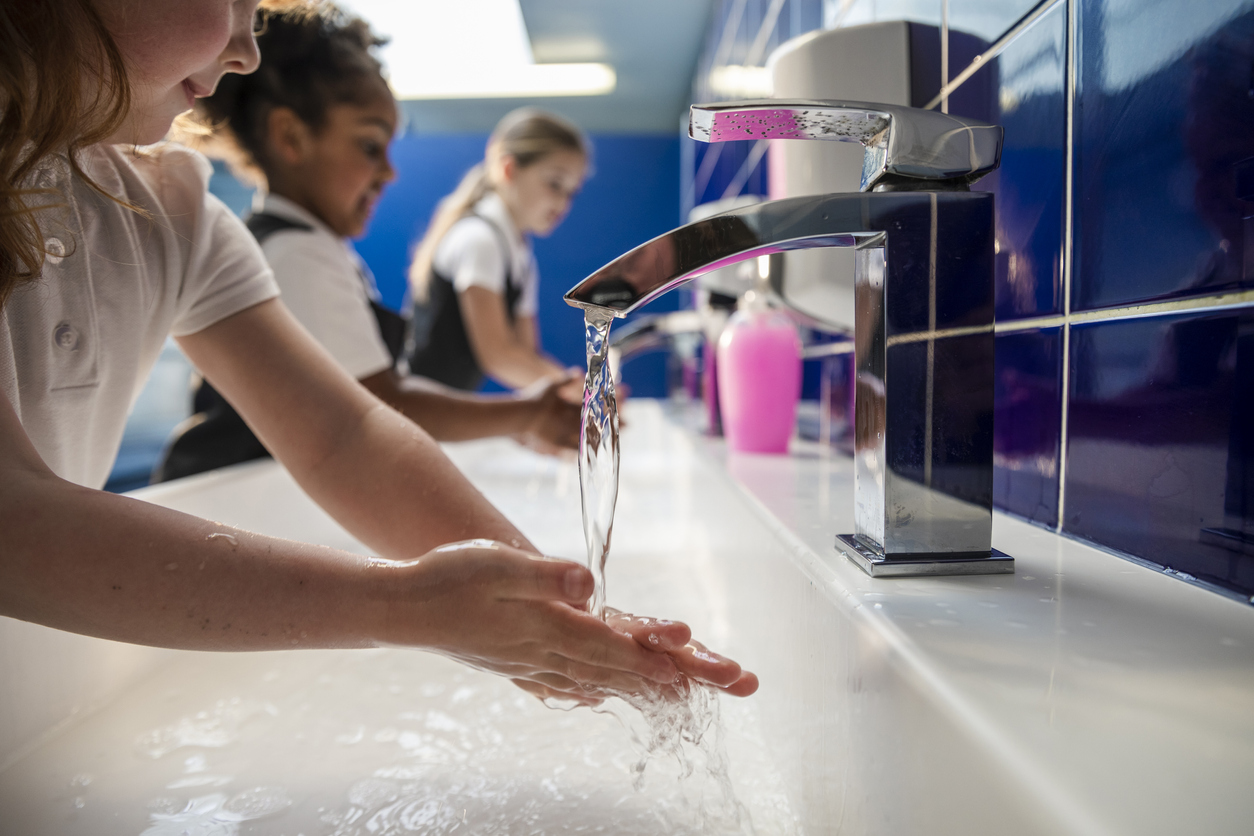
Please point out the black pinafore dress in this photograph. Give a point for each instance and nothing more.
(216, 436)
(437, 346)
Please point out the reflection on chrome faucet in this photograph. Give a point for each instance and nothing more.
(924, 312)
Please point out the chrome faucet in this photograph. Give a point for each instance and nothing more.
(923, 326)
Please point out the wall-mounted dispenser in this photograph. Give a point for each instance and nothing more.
(894, 62)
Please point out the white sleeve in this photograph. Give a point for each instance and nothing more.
(225, 271)
(529, 301)
(471, 256)
(321, 288)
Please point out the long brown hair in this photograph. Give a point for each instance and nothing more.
(63, 87)
(526, 134)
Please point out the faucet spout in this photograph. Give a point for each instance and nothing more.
(923, 291)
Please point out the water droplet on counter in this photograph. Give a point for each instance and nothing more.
(83, 779)
(79, 803)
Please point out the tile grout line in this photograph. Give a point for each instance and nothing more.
(765, 28)
(1197, 304)
(931, 346)
(727, 37)
(944, 36)
(998, 46)
(755, 155)
(1068, 258)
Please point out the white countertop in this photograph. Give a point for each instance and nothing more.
(1083, 694)
(1124, 697)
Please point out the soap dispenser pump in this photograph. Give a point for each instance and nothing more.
(759, 372)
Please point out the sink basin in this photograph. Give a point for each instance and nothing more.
(1085, 694)
(389, 741)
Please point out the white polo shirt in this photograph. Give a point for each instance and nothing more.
(77, 344)
(471, 254)
(326, 286)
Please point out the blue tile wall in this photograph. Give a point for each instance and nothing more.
(1025, 84)
(1155, 459)
(1159, 459)
(1164, 115)
(1028, 423)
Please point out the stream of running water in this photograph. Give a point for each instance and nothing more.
(679, 720)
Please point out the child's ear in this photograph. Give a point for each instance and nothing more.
(509, 167)
(288, 135)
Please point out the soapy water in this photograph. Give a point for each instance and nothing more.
(679, 721)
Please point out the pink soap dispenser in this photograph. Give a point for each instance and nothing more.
(759, 376)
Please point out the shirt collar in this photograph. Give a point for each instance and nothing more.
(493, 208)
(273, 204)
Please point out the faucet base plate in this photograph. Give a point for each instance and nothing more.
(879, 565)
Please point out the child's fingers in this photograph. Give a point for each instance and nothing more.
(596, 651)
(526, 577)
(654, 633)
(696, 661)
(746, 685)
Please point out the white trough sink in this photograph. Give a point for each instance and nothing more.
(1084, 694)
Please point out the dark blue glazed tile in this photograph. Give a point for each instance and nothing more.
(1027, 423)
(709, 182)
(1023, 90)
(1160, 452)
(1164, 118)
(987, 19)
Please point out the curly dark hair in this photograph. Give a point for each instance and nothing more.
(313, 56)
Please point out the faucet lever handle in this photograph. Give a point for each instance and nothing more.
(906, 147)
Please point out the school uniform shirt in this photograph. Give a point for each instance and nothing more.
(77, 344)
(470, 254)
(327, 286)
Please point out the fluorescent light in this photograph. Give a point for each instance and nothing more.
(469, 49)
(524, 80)
(736, 81)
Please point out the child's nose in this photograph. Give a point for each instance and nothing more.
(241, 54)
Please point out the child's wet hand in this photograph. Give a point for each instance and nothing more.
(499, 609)
(691, 657)
(554, 425)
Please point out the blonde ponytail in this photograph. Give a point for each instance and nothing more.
(526, 134)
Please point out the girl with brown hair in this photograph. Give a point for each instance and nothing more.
(312, 129)
(107, 248)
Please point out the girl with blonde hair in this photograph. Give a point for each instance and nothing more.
(474, 278)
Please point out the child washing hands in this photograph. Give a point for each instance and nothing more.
(105, 248)
(312, 128)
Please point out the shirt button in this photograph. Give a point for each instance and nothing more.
(55, 250)
(66, 336)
